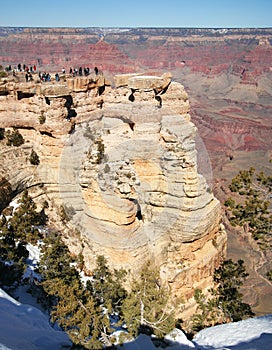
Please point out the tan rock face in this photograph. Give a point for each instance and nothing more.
(123, 161)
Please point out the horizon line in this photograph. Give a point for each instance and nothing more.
(135, 27)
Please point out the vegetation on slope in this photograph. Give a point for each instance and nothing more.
(225, 303)
(90, 312)
(252, 206)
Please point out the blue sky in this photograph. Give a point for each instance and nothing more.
(136, 13)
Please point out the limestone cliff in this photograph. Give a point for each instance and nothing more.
(122, 161)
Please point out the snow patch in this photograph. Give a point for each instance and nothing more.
(254, 333)
(25, 327)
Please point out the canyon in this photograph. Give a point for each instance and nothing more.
(226, 72)
(121, 163)
(227, 75)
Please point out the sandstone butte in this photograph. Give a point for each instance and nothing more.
(121, 159)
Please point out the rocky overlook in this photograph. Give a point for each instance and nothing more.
(121, 160)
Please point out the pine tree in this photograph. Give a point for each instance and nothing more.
(13, 255)
(11, 274)
(26, 219)
(207, 312)
(146, 308)
(76, 312)
(74, 308)
(225, 301)
(15, 233)
(230, 277)
(56, 261)
(106, 286)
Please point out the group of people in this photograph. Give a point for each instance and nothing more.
(23, 68)
(28, 77)
(82, 71)
(46, 77)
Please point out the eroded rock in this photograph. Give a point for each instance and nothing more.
(127, 169)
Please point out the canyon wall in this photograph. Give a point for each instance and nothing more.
(120, 159)
(210, 51)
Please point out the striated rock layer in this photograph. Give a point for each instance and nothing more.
(122, 162)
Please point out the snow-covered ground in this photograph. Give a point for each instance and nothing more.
(24, 327)
(251, 334)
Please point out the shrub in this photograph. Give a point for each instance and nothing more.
(107, 168)
(89, 133)
(42, 119)
(2, 133)
(66, 213)
(14, 138)
(269, 275)
(34, 158)
(100, 151)
(45, 205)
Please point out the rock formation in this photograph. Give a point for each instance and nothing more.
(227, 73)
(122, 162)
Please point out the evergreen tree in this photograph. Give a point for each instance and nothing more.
(146, 308)
(76, 312)
(15, 233)
(207, 314)
(230, 277)
(225, 301)
(26, 219)
(13, 255)
(56, 261)
(74, 308)
(11, 274)
(106, 286)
